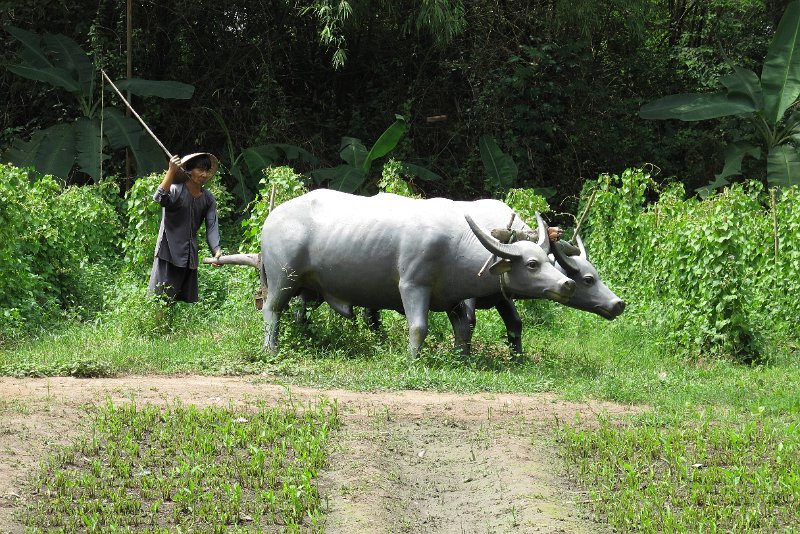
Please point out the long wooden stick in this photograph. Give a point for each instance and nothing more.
(167, 152)
(271, 199)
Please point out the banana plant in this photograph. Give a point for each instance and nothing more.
(351, 175)
(499, 166)
(62, 63)
(764, 101)
(248, 165)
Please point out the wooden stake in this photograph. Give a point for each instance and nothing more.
(774, 202)
(271, 199)
(585, 212)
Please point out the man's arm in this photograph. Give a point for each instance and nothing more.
(212, 228)
(162, 195)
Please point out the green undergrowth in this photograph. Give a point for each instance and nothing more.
(707, 473)
(186, 469)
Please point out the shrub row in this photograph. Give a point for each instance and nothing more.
(56, 248)
(705, 272)
(60, 247)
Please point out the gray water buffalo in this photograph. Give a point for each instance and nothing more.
(591, 294)
(389, 252)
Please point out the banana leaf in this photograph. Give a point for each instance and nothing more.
(90, 147)
(71, 57)
(697, 106)
(32, 53)
(56, 153)
(734, 155)
(294, 152)
(783, 166)
(343, 178)
(744, 82)
(354, 152)
(259, 157)
(163, 89)
(23, 153)
(148, 155)
(53, 75)
(386, 142)
(780, 75)
(499, 165)
(121, 131)
(421, 172)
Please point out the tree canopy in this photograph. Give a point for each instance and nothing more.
(556, 85)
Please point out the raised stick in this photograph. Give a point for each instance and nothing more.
(167, 152)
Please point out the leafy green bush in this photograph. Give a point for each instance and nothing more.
(57, 247)
(393, 181)
(288, 185)
(704, 271)
(525, 203)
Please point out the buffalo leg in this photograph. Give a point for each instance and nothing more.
(309, 299)
(462, 326)
(508, 312)
(274, 305)
(372, 318)
(416, 301)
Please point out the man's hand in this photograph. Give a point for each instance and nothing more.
(175, 163)
(554, 233)
(217, 254)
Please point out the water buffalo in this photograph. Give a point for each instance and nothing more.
(591, 294)
(389, 252)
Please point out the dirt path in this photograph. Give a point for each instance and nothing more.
(408, 461)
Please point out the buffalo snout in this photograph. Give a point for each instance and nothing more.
(613, 310)
(563, 291)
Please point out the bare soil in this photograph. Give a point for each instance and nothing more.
(408, 461)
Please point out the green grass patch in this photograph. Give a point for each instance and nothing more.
(188, 470)
(710, 474)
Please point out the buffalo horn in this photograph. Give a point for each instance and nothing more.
(581, 247)
(563, 258)
(544, 240)
(493, 245)
(234, 259)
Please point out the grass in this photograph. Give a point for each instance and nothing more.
(716, 451)
(188, 470)
(703, 475)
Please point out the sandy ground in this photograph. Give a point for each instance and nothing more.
(408, 461)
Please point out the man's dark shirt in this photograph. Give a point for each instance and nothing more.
(181, 217)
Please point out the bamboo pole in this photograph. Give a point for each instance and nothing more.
(271, 199)
(141, 121)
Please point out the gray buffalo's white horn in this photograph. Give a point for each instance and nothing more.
(234, 259)
(581, 247)
(492, 245)
(544, 239)
(564, 259)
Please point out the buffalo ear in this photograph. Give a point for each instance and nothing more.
(500, 267)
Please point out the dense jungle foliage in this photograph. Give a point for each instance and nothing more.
(557, 84)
